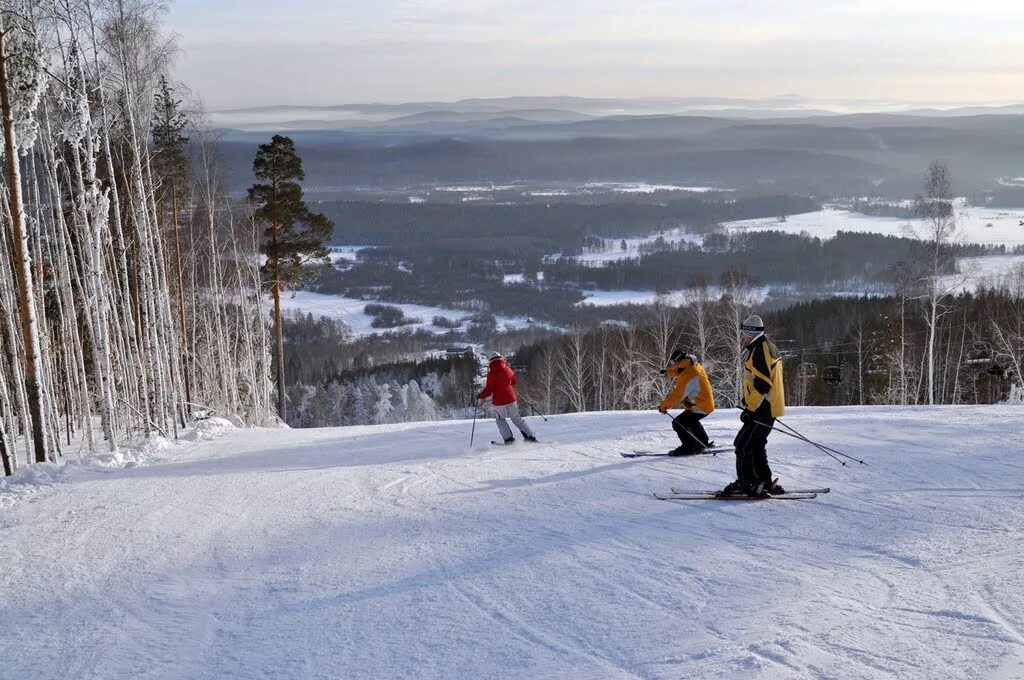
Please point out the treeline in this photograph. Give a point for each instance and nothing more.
(467, 284)
(363, 402)
(129, 283)
(530, 230)
(851, 260)
(337, 380)
(879, 208)
(1004, 196)
(768, 256)
(839, 351)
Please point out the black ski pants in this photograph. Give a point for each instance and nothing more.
(690, 432)
(751, 442)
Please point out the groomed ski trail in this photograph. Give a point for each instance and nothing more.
(398, 551)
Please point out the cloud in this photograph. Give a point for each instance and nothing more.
(398, 50)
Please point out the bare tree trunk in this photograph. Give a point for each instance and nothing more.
(860, 358)
(182, 326)
(23, 269)
(282, 409)
(5, 456)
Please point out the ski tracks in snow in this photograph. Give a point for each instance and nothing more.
(399, 551)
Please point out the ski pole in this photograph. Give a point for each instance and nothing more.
(692, 435)
(824, 449)
(821, 446)
(800, 437)
(472, 432)
(530, 404)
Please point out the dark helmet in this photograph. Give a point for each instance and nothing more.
(679, 355)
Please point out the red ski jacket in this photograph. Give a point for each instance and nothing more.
(500, 381)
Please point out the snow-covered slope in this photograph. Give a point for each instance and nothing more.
(399, 552)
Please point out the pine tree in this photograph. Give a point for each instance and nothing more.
(170, 166)
(293, 237)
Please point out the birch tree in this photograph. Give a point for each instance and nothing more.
(20, 87)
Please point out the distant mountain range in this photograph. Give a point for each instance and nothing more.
(782, 145)
(482, 115)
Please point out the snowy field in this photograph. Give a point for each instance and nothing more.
(612, 251)
(345, 253)
(606, 298)
(400, 552)
(975, 224)
(994, 270)
(350, 311)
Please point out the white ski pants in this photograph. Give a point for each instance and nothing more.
(508, 412)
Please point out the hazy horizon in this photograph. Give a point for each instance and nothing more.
(396, 51)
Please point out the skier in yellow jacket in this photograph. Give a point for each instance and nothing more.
(693, 391)
(763, 402)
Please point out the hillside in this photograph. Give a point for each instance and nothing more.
(400, 552)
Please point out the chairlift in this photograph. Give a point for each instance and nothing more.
(833, 375)
(979, 354)
(807, 370)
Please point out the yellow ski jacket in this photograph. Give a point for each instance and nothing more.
(692, 388)
(762, 378)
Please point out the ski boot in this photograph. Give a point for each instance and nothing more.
(765, 489)
(734, 489)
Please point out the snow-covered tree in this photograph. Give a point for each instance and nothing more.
(97, 324)
(384, 407)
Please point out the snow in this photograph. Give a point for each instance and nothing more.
(991, 271)
(973, 224)
(350, 311)
(346, 253)
(606, 298)
(471, 188)
(550, 193)
(612, 250)
(399, 551)
(644, 188)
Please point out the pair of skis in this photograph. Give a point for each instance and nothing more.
(714, 451)
(713, 495)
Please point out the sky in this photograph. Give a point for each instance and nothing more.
(238, 53)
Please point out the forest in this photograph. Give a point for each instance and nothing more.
(534, 230)
(134, 285)
(769, 257)
(429, 275)
(130, 287)
(836, 351)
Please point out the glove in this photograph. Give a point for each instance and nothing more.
(663, 371)
(662, 410)
(745, 416)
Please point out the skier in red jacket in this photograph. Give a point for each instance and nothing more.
(501, 380)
